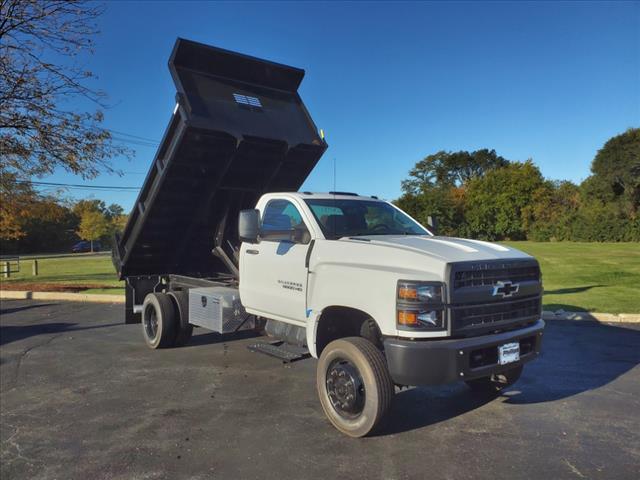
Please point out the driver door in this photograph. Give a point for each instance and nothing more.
(273, 272)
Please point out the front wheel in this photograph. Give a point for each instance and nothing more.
(496, 382)
(354, 385)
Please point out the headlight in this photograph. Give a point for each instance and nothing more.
(420, 306)
(419, 292)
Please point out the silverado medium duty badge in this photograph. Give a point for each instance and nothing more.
(505, 289)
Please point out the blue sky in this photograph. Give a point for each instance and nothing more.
(393, 82)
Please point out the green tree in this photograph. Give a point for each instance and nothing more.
(449, 169)
(93, 226)
(496, 204)
(437, 185)
(616, 170)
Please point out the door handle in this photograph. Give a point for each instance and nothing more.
(253, 252)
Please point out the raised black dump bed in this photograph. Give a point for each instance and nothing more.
(239, 130)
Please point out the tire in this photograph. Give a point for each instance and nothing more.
(371, 332)
(184, 329)
(159, 320)
(496, 382)
(354, 385)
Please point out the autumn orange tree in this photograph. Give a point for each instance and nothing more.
(16, 202)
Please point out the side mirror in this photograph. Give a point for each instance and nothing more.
(249, 225)
(432, 222)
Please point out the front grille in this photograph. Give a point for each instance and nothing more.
(499, 313)
(488, 274)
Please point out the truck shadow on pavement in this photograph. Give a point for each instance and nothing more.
(578, 356)
(7, 311)
(13, 333)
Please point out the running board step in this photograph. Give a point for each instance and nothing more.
(284, 351)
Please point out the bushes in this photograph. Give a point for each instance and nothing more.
(604, 223)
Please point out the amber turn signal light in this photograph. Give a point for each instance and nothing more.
(406, 317)
(407, 293)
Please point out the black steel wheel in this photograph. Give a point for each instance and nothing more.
(354, 385)
(159, 320)
(345, 388)
(496, 382)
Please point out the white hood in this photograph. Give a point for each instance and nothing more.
(448, 249)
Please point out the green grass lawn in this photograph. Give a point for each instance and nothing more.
(90, 270)
(600, 277)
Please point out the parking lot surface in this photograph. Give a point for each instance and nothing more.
(82, 397)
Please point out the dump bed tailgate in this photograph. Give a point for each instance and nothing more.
(239, 130)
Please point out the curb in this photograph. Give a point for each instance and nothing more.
(74, 297)
(592, 317)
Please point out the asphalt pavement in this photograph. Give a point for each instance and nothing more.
(82, 397)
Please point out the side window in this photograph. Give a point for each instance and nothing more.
(282, 221)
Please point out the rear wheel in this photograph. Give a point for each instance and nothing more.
(496, 382)
(159, 320)
(354, 385)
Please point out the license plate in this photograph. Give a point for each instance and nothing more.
(508, 353)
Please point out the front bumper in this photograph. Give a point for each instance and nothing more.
(432, 362)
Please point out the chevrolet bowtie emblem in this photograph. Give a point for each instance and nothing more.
(505, 289)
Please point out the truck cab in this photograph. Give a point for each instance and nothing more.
(220, 238)
(440, 309)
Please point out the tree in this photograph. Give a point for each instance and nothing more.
(93, 225)
(119, 222)
(496, 204)
(437, 186)
(445, 204)
(449, 169)
(41, 42)
(616, 169)
(94, 205)
(113, 211)
(16, 200)
(49, 227)
(552, 212)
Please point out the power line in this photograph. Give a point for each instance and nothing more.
(133, 136)
(138, 143)
(131, 139)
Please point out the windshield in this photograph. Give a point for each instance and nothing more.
(353, 218)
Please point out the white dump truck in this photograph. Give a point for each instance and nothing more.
(220, 238)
